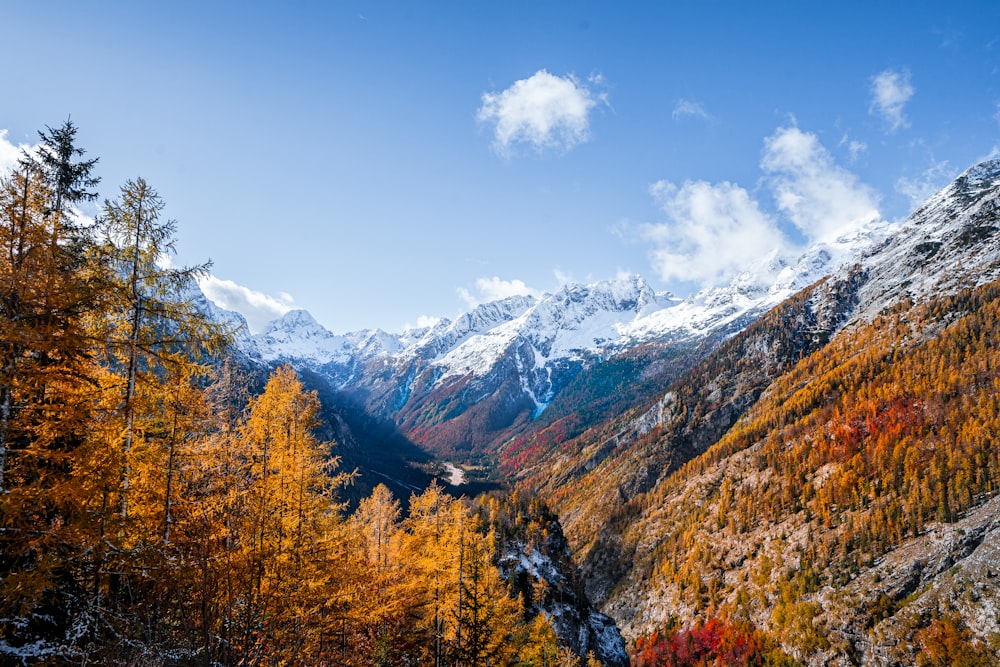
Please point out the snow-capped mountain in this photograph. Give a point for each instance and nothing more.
(460, 383)
(578, 321)
(949, 243)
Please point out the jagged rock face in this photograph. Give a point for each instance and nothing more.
(951, 242)
(542, 573)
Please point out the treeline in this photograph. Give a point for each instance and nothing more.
(152, 512)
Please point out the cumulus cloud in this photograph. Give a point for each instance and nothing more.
(258, 308)
(891, 90)
(712, 231)
(543, 111)
(925, 184)
(690, 109)
(494, 289)
(9, 153)
(820, 198)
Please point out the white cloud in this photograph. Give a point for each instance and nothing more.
(543, 111)
(423, 322)
(258, 308)
(932, 179)
(690, 109)
(9, 153)
(494, 289)
(820, 198)
(856, 148)
(712, 231)
(891, 90)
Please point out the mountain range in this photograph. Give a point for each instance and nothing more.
(797, 449)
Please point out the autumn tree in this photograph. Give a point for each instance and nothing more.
(486, 617)
(46, 381)
(291, 542)
(152, 328)
(383, 609)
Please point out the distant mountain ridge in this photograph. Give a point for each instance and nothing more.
(501, 364)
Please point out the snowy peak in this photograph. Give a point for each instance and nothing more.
(298, 337)
(983, 176)
(293, 321)
(577, 320)
(949, 243)
(446, 335)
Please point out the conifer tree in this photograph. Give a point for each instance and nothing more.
(294, 568)
(54, 159)
(487, 616)
(432, 547)
(388, 584)
(46, 381)
(152, 328)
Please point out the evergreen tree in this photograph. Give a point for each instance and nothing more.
(54, 158)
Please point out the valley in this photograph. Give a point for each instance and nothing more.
(773, 451)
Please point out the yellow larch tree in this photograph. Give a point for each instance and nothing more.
(295, 568)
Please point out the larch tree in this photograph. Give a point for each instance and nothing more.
(384, 602)
(45, 291)
(155, 350)
(431, 547)
(46, 378)
(152, 329)
(292, 544)
(487, 617)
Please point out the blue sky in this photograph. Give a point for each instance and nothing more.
(377, 163)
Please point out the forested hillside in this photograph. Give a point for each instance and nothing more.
(828, 475)
(824, 513)
(156, 511)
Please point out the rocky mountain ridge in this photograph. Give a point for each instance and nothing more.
(499, 366)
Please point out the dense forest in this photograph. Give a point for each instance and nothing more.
(153, 511)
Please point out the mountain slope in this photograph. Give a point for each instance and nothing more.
(842, 480)
(658, 537)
